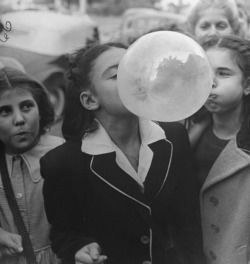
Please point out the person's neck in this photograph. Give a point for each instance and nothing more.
(227, 125)
(123, 131)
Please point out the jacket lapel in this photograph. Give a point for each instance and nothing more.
(159, 169)
(231, 160)
(105, 167)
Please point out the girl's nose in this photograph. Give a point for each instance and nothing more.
(212, 32)
(214, 85)
(18, 118)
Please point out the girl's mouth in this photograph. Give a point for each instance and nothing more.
(212, 97)
(21, 134)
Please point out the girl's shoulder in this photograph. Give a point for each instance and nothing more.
(51, 141)
(45, 144)
(63, 150)
(174, 130)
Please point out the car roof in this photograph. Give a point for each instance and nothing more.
(139, 23)
(48, 32)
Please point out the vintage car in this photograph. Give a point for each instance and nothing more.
(135, 23)
(41, 40)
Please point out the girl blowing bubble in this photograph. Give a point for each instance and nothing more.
(120, 190)
(222, 154)
(25, 114)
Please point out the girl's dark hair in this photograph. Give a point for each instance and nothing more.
(240, 48)
(78, 120)
(11, 79)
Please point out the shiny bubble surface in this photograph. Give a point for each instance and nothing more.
(164, 76)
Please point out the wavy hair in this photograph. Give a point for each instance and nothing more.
(78, 120)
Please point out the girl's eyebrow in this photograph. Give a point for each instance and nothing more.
(27, 101)
(224, 68)
(115, 66)
(3, 107)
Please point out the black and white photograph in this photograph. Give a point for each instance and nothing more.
(124, 132)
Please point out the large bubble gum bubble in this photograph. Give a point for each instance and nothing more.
(164, 76)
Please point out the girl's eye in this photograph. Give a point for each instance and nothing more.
(222, 26)
(27, 106)
(204, 26)
(113, 77)
(223, 74)
(4, 111)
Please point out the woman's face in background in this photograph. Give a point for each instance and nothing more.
(19, 120)
(212, 22)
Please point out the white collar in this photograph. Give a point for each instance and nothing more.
(32, 156)
(99, 142)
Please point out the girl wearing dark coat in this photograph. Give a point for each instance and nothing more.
(121, 189)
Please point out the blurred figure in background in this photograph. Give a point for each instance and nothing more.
(214, 17)
(12, 63)
(244, 20)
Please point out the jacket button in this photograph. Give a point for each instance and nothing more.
(146, 262)
(212, 255)
(19, 195)
(214, 201)
(215, 228)
(145, 239)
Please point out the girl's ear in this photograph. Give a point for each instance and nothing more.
(89, 101)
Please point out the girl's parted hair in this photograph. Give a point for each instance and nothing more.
(77, 120)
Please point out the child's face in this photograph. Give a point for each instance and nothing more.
(19, 120)
(228, 82)
(212, 22)
(105, 82)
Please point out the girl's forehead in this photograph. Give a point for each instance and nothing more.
(213, 14)
(109, 58)
(223, 57)
(17, 92)
(221, 52)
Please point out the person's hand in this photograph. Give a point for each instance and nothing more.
(90, 254)
(10, 243)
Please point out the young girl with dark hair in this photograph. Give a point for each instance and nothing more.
(223, 153)
(120, 190)
(25, 115)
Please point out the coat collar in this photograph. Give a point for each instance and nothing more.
(99, 141)
(231, 160)
(102, 166)
(32, 156)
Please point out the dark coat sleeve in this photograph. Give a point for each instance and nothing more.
(185, 206)
(67, 232)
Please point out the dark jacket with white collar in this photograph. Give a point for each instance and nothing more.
(89, 198)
